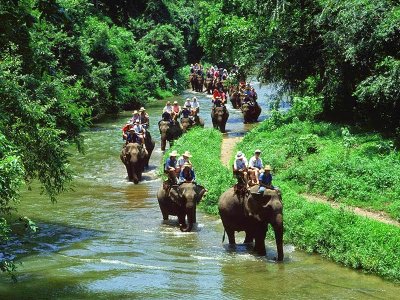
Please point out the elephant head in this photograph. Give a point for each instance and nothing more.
(133, 156)
(219, 117)
(185, 123)
(266, 208)
(187, 195)
(163, 127)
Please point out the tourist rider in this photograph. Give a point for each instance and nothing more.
(135, 116)
(195, 106)
(144, 118)
(170, 167)
(266, 180)
(187, 174)
(176, 111)
(168, 108)
(131, 136)
(240, 166)
(140, 132)
(125, 130)
(187, 102)
(255, 165)
(185, 158)
(187, 113)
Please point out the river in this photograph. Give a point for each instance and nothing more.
(106, 240)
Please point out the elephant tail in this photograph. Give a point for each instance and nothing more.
(223, 237)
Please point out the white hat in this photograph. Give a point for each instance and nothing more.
(175, 102)
(174, 153)
(187, 154)
(142, 109)
(267, 168)
(239, 154)
(186, 165)
(135, 111)
(257, 151)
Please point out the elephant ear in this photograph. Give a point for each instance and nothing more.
(256, 205)
(176, 195)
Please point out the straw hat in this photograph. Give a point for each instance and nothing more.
(142, 109)
(186, 165)
(175, 102)
(187, 154)
(168, 103)
(267, 168)
(239, 154)
(174, 153)
(135, 112)
(257, 151)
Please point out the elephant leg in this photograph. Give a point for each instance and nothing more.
(259, 245)
(231, 236)
(249, 238)
(128, 170)
(163, 144)
(278, 230)
(164, 213)
(182, 221)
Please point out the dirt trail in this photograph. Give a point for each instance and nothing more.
(228, 145)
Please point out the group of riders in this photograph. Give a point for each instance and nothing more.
(252, 172)
(190, 110)
(134, 131)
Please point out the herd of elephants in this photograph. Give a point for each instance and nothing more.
(241, 207)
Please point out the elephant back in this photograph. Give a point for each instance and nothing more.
(174, 131)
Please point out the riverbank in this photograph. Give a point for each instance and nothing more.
(338, 234)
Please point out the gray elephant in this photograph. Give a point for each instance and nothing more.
(251, 111)
(134, 157)
(186, 123)
(180, 200)
(169, 131)
(219, 117)
(209, 85)
(252, 212)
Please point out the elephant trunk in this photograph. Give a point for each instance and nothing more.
(191, 218)
(278, 229)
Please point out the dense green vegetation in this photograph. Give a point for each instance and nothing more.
(64, 63)
(345, 53)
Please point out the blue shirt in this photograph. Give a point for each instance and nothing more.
(189, 177)
(170, 163)
(265, 178)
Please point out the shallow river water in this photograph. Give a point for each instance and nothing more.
(106, 240)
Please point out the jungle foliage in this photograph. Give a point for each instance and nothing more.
(349, 48)
(64, 63)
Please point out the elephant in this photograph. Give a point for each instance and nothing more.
(252, 212)
(134, 158)
(199, 83)
(251, 111)
(235, 99)
(209, 85)
(219, 117)
(169, 131)
(193, 81)
(180, 200)
(187, 124)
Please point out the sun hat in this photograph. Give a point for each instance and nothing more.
(187, 154)
(267, 168)
(174, 153)
(257, 151)
(186, 165)
(175, 102)
(135, 112)
(142, 109)
(239, 154)
(187, 99)
(168, 103)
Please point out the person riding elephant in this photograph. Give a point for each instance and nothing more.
(169, 131)
(199, 83)
(186, 119)
(181, 200)
(251, 111)
(252, 212)
(234, 96)
(133, 157)
(219, 117)
(149, 146)
(209, 85)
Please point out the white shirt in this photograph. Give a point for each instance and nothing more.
(168, 109)
(255, 162)
(195, 104)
